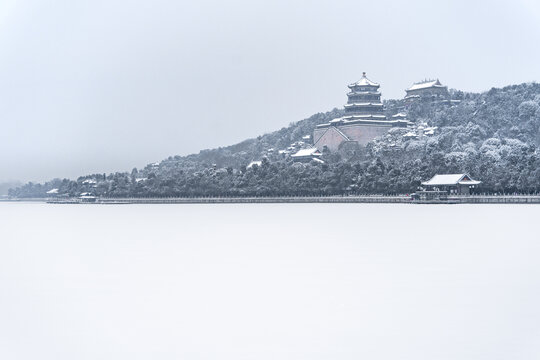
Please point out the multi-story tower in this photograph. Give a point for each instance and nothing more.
(364, 101)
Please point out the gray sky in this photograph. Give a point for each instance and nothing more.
(100, 86)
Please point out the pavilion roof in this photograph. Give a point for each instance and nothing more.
(364, 81)
(253, 163)
(364, 92)
(307, 152)
(365, 116)
(425, 85)
(363, 104)
(451, 179)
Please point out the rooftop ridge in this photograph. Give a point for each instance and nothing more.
(364, 81)
(425, 81)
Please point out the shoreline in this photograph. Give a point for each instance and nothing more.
(402, 199)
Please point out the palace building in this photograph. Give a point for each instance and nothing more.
(427, 89)
(363, 121)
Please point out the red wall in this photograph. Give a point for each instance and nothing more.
(361, 133)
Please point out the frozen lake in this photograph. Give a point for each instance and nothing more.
(263, 281)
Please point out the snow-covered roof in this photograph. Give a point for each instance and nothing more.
(425, 85)
(410, 134)
(318, 160)
(400, 115)
(53, 191)
(367, 116)
(89, 181)
(307, 152)
(363, 92)
(364, 81)
(367, 119)
(363, 104)
(251, 164)
(451, 179)
(306, 137)
(283, 152)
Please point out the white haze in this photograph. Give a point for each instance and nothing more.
(101, 86)
(379, 282)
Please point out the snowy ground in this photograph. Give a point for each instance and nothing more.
(262, 281)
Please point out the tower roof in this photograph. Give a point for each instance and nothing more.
(364, 81)
(425, 84)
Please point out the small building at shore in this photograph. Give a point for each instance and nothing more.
(452, 184)
(87, 198)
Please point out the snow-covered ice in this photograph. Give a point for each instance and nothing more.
(262, 281)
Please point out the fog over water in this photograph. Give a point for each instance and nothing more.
(103, 86)
(296, 281)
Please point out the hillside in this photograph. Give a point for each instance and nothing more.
(493, 135)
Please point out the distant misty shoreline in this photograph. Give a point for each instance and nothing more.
(6, 185)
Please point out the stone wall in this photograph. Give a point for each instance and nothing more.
(332, 139)
(329, 137)
(364, 133)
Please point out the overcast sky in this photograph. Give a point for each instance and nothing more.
(101, 86)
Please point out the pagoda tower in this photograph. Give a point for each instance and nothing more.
(364, 101)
